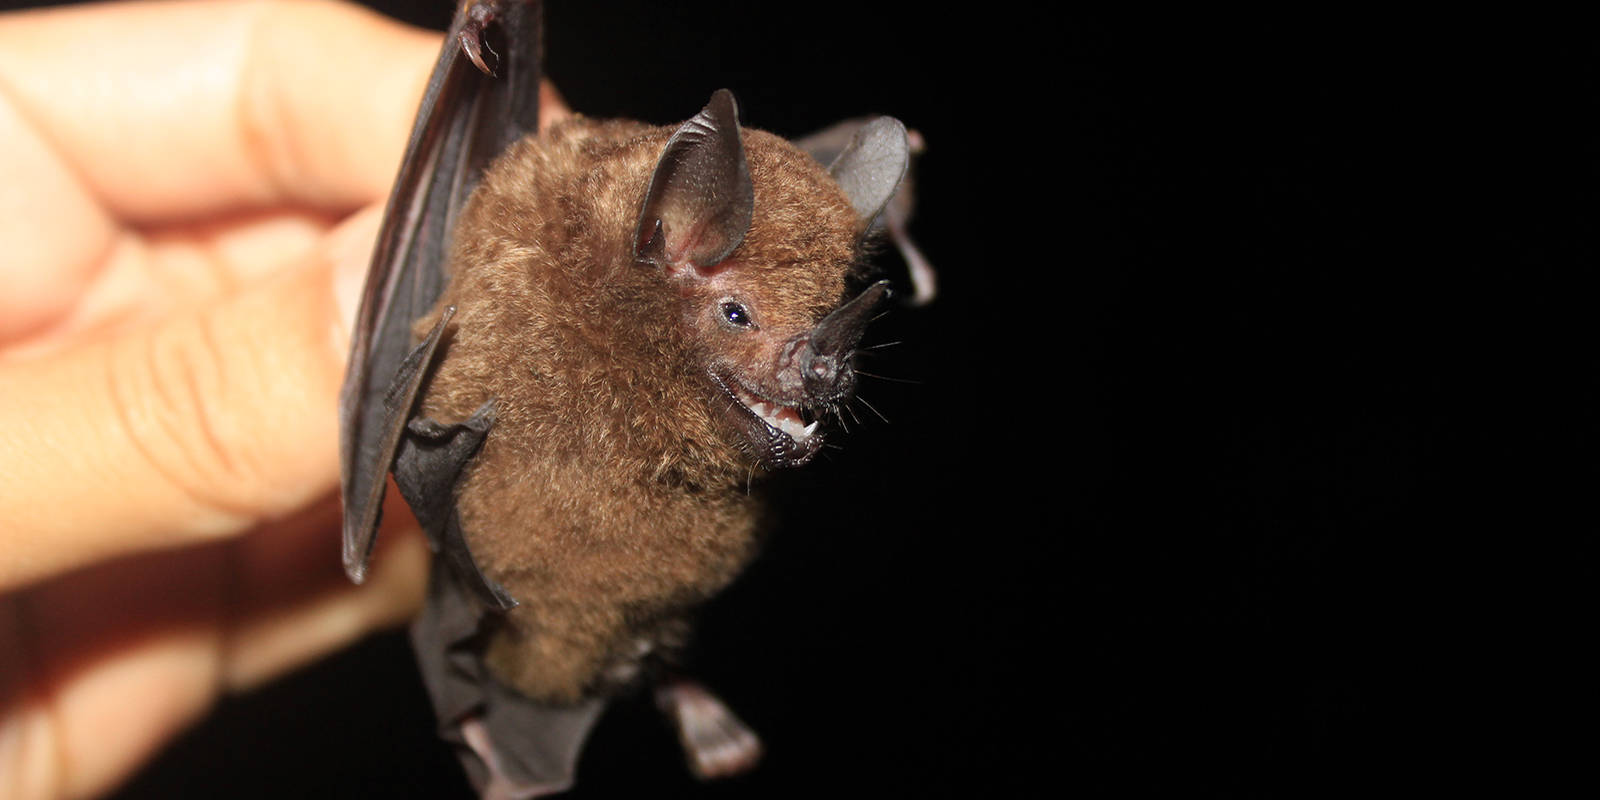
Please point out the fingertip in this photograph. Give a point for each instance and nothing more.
(332, 89)
(175, 110)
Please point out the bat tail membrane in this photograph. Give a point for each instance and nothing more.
(467, 117)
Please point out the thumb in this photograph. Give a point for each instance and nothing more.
(199, 427)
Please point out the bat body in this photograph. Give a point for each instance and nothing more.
(574, 361)
(611, 496)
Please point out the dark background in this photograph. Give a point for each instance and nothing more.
(1237, 452)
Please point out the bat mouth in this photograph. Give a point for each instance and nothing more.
(777, 435)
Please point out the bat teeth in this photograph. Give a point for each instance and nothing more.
(781, 418)
(784, 437)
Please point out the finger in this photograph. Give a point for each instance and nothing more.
(195, 428)
(150, 111)
(293, 602)
(115, 648)
(185, 110)
(98, 668)
(146, 276)
(54, 230)
(176, 109)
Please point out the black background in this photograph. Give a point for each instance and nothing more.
(1233, 454)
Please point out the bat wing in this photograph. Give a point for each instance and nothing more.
(471, 111)
(483, 96)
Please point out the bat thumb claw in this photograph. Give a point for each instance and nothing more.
(474, 47)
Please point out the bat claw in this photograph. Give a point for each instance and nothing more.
(473, 45)
(479, 15)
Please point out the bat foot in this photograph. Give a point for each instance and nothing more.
(715, 742)
(500, 786)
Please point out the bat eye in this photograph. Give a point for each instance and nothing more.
(735, 314)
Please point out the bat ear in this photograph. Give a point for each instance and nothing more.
(698, 207)
(871, 166)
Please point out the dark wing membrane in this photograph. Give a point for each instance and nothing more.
(468, 116)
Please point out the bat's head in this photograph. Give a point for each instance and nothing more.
(760, 246)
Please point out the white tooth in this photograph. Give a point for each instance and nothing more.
(810, 429)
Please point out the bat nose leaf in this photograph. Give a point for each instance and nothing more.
(825, 363)
(837, 334)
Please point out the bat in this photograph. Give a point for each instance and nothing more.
(573, 353)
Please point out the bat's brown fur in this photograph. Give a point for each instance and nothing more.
(609, 498)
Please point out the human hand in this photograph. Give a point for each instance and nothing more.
(189, 196)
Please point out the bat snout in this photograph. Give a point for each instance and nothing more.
(823, 371)
(815, 367)
(826, 377)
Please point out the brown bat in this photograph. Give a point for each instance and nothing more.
(574, 360)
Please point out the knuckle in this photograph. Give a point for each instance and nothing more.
(178, 404)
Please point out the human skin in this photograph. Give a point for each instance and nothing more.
(189, 197)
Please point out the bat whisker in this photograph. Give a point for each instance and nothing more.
(877, 346)
(864, 402)
(887, 378)
(853, 413)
